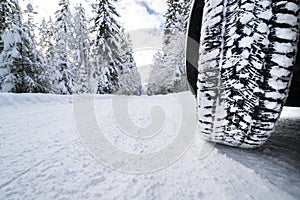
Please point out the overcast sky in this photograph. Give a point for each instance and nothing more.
(135, 14)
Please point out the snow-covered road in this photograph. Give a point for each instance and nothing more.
(42, 156)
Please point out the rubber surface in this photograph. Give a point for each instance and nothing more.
(247, 53)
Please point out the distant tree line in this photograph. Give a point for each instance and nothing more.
(71, 55)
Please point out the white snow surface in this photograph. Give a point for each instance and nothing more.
(42, 157)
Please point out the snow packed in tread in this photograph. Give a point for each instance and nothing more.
(246, 57)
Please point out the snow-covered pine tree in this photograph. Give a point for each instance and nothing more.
(10, 28)
(7, 18)
(171, 17)
(168, 72)
(129, 77)
(45, 43)
(47, 46)
(82, 47)
(159, 80)
(65, 69)
(37, 59)
(22, 67)
(105, 51)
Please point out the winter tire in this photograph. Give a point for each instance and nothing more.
(242, 67)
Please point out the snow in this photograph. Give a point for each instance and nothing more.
(42, 156)
(286, 33)
(248, 6)
(287, 19)
(265, 4)
(282, 60)
(215, 3)
(279, 72)
(217, 10)
(271, 105)
(292, 6)
(238, 86)
(245, 54)
(210, 55)
(275, 95)
(246, 42)
(283, 47)
(267, 15)
(246, 17)
(277, 83)
(213, 21)
(262, 28)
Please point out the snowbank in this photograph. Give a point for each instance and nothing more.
(9, 99)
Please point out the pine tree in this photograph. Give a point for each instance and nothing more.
(22, 67)
(82, 48)
(129, 78)
(47, 46)
(159, 81)
(46, 38)
(105, 52)
(112, 58)
(7, 17)
(171, 16)
(36, 57)
(65, 69)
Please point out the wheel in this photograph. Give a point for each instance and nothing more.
(243, 66)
